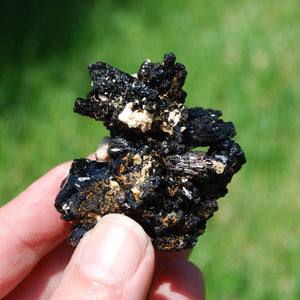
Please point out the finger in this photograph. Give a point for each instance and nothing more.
(45, 277)
(115, 260)
(92, 156)
(29, 228)
(163, 257)
(178, 280)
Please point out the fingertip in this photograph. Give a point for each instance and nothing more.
(92, 156)
(113, 249)
(115, 256)
(179, 279)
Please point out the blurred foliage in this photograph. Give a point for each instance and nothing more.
(242, 57)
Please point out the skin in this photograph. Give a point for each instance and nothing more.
(115, 260)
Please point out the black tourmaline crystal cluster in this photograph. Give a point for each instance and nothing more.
(147, 169)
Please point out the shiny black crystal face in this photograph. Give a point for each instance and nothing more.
(147, 169)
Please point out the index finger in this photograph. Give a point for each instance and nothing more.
(30, 227)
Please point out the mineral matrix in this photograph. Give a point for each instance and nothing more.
(147, 169)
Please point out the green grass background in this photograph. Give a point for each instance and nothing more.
(242, 57)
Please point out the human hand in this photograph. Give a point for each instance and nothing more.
(115, 260)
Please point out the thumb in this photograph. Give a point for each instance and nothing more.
(115, 260)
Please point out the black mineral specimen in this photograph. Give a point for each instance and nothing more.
(146, 169)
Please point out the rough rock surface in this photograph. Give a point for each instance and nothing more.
(147, 169)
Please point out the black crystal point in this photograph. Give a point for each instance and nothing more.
(146, 169)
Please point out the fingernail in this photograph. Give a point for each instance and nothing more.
(112, 251)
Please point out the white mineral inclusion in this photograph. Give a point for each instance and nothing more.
(136, 119)
(173, 119)
(114, 186)
(103, 98)
(101, 153)
(136, 159)
(218, 166)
